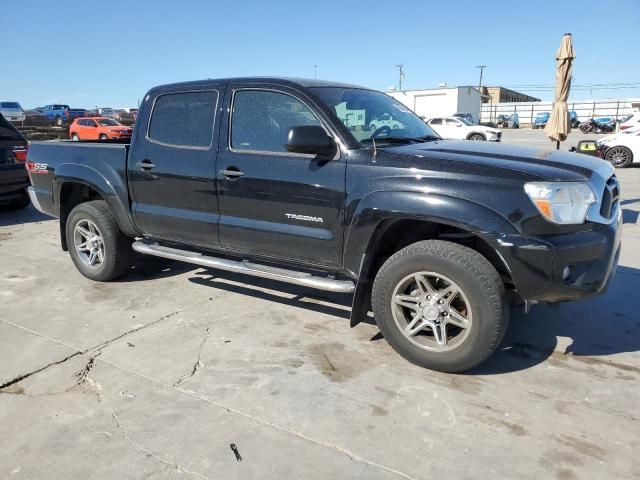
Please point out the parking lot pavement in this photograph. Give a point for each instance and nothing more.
(537, 138)
(156, 375)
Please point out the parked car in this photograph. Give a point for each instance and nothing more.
(34, 118)
(466, 116)
(98, 128)
(541, 120)
(59, 114)
(508, 121)
(631, 121)
(265, 179)
(461, 129)
(13, 175)
(622, 149)
(107, 112)
(125, 117)
(573, 119)
(382, 121)
(12, 112)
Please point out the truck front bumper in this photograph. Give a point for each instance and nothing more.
(558, 268)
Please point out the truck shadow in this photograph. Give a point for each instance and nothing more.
(586, 332)
(16, 217)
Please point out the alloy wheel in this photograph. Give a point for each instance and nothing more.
(431, 311)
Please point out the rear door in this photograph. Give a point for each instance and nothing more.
(274, 203)
(172, 174)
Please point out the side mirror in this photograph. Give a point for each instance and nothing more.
(310, 139)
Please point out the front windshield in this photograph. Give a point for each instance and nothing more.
(107, 122)
(373, 116)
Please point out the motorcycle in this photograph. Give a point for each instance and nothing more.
(594, 126)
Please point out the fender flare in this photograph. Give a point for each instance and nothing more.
(113, 190)
(384, 206)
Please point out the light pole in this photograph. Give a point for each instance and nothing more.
(315, 72)
(401, 76)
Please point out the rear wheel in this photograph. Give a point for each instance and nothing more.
(440, 305)
(619, 156)
(99, 250)
(103, 136)
(74, 137)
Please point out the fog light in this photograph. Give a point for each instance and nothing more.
(566, 272)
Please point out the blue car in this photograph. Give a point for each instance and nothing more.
(573, 118)
(541, 120)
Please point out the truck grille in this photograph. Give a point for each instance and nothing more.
(610, 197)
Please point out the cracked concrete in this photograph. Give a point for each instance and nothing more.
(155, 376)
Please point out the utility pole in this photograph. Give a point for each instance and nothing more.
(481, 67)
(315, 72)
(401, 76)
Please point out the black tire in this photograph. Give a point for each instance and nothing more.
(118, 254)
(619, 156)
(75, 137)
(103, 137)
(476, 137)
(59, 121)
(476, 278)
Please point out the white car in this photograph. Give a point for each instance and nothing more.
(462, 129)
(12, 111)
(631, 122)
(384, 120)
(621, 149)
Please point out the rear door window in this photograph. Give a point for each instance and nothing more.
(184, 119)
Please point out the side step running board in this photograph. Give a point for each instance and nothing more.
(246, 267)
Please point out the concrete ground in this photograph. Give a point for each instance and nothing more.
(157, 375)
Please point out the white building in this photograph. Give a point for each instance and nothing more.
(441, 102)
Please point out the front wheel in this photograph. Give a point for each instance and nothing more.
(476, 137)
(103, 137)
(99, 250)
(440, 305)
(75, 138)
(59, 121)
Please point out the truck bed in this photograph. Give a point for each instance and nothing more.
(50, 164)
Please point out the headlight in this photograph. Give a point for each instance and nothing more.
(561, 202)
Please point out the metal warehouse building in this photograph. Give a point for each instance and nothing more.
(439, 102)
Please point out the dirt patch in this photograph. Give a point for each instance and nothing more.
(336, 363)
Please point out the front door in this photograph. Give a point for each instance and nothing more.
(274, 203)
(172, 168)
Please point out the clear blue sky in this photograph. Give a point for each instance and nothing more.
(88, 53)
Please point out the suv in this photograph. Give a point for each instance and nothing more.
(12, 111)
(462, 129)
(98, 128)
(262, 176)
(13, 175)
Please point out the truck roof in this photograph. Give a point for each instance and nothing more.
(284, 81)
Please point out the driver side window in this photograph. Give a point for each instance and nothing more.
(261, 120)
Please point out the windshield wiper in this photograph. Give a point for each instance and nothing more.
(401, 140)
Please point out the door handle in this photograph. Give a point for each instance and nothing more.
(232, 172)
(145, 165)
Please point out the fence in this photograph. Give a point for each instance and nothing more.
(527, 111)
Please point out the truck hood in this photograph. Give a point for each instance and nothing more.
(545, 164)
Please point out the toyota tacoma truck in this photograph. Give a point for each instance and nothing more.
(262, 176)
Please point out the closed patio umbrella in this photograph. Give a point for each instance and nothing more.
(559, 126)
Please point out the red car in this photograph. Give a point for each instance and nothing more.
(98, 128)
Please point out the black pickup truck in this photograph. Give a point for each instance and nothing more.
(286, 179)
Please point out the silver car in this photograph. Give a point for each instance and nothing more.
(12, 111)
